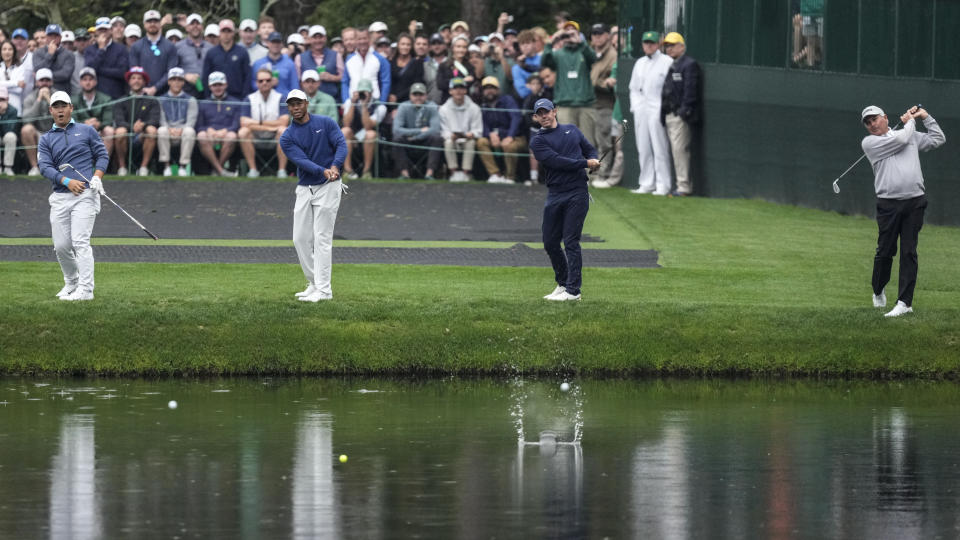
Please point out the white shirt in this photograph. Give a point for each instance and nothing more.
(364, 67)
(646, 82)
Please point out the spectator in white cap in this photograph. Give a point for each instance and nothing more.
(174, 36)
(118, 29)
(55, 58)
(282, 67)
(320, 102)
(325, 61)
(75, 201)
(212, 34)
(377, 30)
(232, 60)
(191, 52)
(263, 122)
(178, 119)
(36, 119)
(294, 46)
(217, 123)
(94, 108)
(154, 53)
(248, 39)
(109, 59)
(9, 117)
(131, 34)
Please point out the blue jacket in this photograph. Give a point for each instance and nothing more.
(330, 65)
(219, 114)
(156, 60)
(563, 153)
(111, 65)
(286, 73)
(79, 145)
(682, 90)
(520, 75)
(496, 116)
(314, 146)
(235, 64)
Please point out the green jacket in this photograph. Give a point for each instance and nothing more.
(572, 64)
(102, 109)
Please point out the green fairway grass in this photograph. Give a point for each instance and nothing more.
(746, 287)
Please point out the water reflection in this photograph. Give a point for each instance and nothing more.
(74, 502)
(660, 482)
(314, 495)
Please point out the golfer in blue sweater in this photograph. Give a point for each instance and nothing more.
(316, 145)
(564, 155)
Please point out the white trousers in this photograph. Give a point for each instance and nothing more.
(186, 140)
(654, 151)
(450, 148)
(71, 221)
(9, 148)
(314, 215)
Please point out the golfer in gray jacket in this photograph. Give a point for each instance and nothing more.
(898, 181)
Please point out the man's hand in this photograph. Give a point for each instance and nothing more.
(75, 186)
(138, 126)
(51, 48)
(150, 90)
(332, 173)
(43, 94)
(92, 122)
(593, 164)
(176, 132)
(906, 117)
(921, 114)
(103, 40)
(610, 82)
(494, 139)
(506, 141)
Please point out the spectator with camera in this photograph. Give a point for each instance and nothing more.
(496, 63)
(417, 123)
(573, 94)
(502, 123)
(361, 121)
(365, 64)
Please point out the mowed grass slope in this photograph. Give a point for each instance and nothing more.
(746, 287)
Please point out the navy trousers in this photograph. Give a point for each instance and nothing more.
(901, 219)
(563, 217)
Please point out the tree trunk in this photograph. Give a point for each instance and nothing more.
(477, 15)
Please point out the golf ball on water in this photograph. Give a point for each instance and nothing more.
(343, 458)
(172, 404)
(565, 387)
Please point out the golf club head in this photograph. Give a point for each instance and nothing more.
(836, 187)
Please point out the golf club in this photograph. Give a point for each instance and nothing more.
(615, 143)
(87, 180)
(836, 187)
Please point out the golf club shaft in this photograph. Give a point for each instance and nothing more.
(896, 127)
(133, 219)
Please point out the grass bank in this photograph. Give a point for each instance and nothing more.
(746, 288)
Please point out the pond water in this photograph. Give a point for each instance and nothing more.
(453, 458)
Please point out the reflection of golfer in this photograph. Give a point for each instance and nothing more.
(74, 204)
(316, 145)
(563, 153)
(901, 202)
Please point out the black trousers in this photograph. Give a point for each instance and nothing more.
(563, 217)
(402, 155)
(901, 219)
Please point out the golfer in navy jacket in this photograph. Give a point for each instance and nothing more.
(564, 155)
(74, 204)
(316, 145)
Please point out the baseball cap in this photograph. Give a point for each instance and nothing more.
(365, 85)
(118, 19)
(248, 24)
(442, 27)
(673, 37)
(377, 26)
(335, 40)
(493, 36)
(44, 73)
(82, 33)
(480, 39)
(20, 33)
(599, 28)
(295, 38)
(173, 32)
(462, 24)
(296, 94)
(175, 72)
(3, 93)
(383, 40)
(543, 103)
(216, 77)
(310, 75)
(151, 15)
(211, 30)
(88, 71)
(53, 29)
(317, 29)
(436, 38)
(418, 88)
(275, 36)
(651, 35)
(194, 17)
(137, 70)
(510, 32)
(132, 30)
(490, 80)
(303, 28)
(871, 110)
(473, 48)
(458, 82)
(574, 24)
(227, 24)
(60, 96)
(67, 36)
(102, 22)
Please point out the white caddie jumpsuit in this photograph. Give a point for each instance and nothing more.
(653, 147)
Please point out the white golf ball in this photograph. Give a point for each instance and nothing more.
(565, 387)
(172, 404)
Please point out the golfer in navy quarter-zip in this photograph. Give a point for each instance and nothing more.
(316, 145)
(564, 155)
(74, 203)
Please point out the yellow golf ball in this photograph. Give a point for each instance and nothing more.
(343, 458)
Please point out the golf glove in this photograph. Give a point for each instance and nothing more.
(97, 184)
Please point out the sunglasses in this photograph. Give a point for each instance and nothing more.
(264, 80)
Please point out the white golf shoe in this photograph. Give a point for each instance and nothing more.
(306, 292)
(167, 171)
(143, 171)
(122, 171)
(899, 309)
(34, 171)
(282, 173)
(182, 171)
(559, 289)
(880, 300)
(66, 290)
(78, 295)
(316, 296)
(564, 296)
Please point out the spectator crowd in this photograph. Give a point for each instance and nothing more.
(177, 95)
